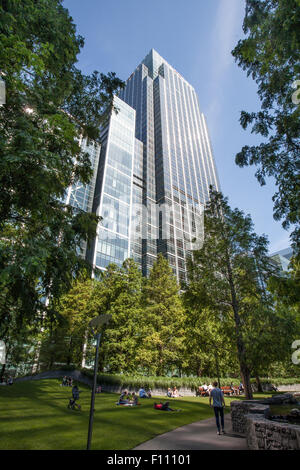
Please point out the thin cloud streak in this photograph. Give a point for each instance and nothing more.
(226, 30)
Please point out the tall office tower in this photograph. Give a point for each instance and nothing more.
(155, 154)
(81, 196)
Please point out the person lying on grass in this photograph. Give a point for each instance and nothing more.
(163, 406)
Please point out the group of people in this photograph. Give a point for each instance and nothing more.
(237, 390)
(132, 399)
(204, 390)
(67, 381)
(128, 399)
(173, 393)
(7, 381)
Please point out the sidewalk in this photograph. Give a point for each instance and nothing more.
(197, 436)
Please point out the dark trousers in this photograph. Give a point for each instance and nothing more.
(219, 412)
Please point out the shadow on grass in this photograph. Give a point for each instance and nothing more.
(35, 416)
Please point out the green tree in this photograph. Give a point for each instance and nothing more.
(50, 106)
(208, 351)
(228, 275)
(162, 329)
(270, 54)
(75, 310)
(121, 294)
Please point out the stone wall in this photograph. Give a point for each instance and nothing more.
(239, 411)
(263, 434)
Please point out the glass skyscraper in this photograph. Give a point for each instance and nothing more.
(153, 171)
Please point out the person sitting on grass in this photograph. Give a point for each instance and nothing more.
(134, 399)
(123, 400)
(64, 381)
(175, 393)
(142, 393)
(169, 393)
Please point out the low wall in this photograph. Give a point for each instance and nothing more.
(185, 392)
(289, 388)
(263, 434)
(250, 418)
(240, 409)
(268, 387)
(79, 377)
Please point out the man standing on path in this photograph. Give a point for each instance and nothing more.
(218, 402)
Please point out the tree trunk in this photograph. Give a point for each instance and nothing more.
(84, 349)
(69, 356)
(258, 382)
(218, 371)
(245, 374)
(199, 371)
(2, 372)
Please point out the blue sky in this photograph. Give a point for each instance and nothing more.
(196, 37)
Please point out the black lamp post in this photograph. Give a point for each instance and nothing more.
(95, 323)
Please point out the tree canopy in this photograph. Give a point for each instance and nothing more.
(50, 106)
(270, 55)
(229, 276)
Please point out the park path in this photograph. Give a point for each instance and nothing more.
(201, 435)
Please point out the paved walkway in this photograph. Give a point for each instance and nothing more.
(197, 436)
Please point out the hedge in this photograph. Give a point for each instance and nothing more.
(136, 382)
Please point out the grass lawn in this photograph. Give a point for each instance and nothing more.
(34, 415)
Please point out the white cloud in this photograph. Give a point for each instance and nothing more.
(226, 31)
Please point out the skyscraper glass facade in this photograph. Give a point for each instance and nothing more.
(153, 172)
(177, 163)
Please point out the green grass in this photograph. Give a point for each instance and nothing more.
(282, 410)
(34, 415)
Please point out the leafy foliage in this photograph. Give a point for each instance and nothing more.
(270, 54)
(50, 106)
(228, 276)
(162, 330)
